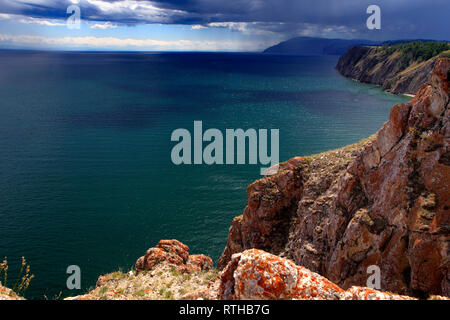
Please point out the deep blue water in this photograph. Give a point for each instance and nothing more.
(85, 170)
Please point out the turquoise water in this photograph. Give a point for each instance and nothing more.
(85, 169)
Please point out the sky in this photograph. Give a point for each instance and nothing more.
(209, 25)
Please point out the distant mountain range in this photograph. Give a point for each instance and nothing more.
(322, 46)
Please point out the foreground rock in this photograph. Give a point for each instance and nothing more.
(384, 201)
(255, 274)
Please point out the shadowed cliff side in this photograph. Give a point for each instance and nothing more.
(400, 69)
(384, 201)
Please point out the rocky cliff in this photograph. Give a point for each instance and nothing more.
(396, 70)
(384, 201)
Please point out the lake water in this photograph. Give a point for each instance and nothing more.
(86, 176)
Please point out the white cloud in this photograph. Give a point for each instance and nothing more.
(31, 20)
(248, 28)
(129, 43)
(239, 26)
(198, 27)
(106, 25)
(135, 10)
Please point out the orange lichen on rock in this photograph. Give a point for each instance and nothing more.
(255, 274)
(199, 262)
(362, 293)
(176, 254)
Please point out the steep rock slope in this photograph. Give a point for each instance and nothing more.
(386, 68)
(383, 202)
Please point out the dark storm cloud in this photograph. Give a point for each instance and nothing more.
(400, 18)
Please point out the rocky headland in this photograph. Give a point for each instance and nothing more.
(400, 69)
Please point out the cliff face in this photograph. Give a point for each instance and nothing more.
(383, 67)
(384, 201)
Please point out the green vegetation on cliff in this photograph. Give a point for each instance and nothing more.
(416, 51)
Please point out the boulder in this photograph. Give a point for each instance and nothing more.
(175, 254)
(258, 275)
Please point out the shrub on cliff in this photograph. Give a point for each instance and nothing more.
(417, 51)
